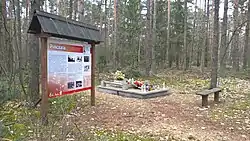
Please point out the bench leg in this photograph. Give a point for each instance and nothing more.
(204, 100)
(103, 84)
(216, 97)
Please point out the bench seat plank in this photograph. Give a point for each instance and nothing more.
(210, 91)
(205, 94)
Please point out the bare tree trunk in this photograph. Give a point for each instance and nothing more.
(115, 35)
(203, 48)
(81, 8)
(109, 15)
(70, 9)
(52, 6)
(34, 61)
(148, 50)
(246, 46)
(101, 15)
(170, 52)
(235, 52)
(139, 43)
(45, 5)
(91, 10)
(185, 36)
(207, 45)
(2, 69)
(105, 29)
(214, 72)
(224, 34)
(153, 66)
(20, 48)
(194, 34)
(75, 9)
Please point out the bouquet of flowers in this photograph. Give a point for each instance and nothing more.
(135, 83)
(119, 75)
(138, 83)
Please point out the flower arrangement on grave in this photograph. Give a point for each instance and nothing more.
(135, 83)
(146, 86)
(138, 83)
(119, 75)
(142, 85)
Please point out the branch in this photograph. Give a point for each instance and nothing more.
(4, 23)
(234, 32)
(79, 130)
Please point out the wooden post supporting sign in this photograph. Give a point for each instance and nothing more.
(93, 75)
(45, 103)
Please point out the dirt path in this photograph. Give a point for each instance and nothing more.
(176, 114)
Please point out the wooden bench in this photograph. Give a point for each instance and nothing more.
(122, 85)
(204, 94)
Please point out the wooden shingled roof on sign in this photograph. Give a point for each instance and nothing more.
(61, 27)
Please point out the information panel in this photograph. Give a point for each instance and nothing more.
(69, 68)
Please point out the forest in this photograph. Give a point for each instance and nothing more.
(188, 45)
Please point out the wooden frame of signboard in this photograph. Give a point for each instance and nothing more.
(45, 26)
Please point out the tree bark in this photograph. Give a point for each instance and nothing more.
(1, 38)
(20, 48)
(214, 72)
(185, 36)
(70, 9)
(224, 34)
(207, 42)
(34, 61)
(52, 6)
(170, 53)
(235, 44)
(115, 35)
(75, 9)
(81, 15)
(148, 50)
(105, 29)
(153, 66)
(246, 46)
(203, 48)
(194, 34)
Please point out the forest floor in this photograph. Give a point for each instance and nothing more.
(178, 116)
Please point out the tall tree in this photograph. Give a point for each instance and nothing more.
(115, 35)
(178, 28)
(170, 55)
(215, 45)
(246, 46)
(235, 43)
(1, 36)
(207, 40)
(52, 6)
(194, 32)
(224, 34)
(148, 50)
(70, 9)
(81, 8)
(4, 35)
(185, 36)
(20, 48)
(34, 60)
(153, 66)
(75, 9)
